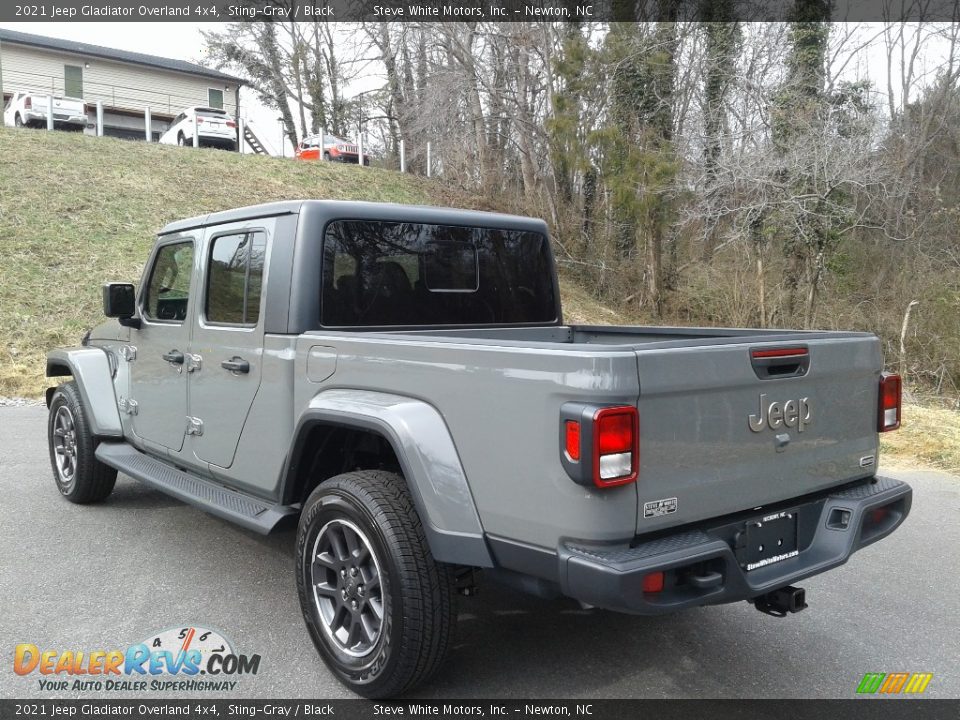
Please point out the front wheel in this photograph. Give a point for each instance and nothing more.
(80, 477)
(17, 120)
(378, 607)
(181, 140)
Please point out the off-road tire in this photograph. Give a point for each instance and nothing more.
(68, 428)
(417, 593)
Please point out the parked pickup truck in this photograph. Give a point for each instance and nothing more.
(399, 383)
(30, 110)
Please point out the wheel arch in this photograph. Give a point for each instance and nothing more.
(409, 433)
(90, 368)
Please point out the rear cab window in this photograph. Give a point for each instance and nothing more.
(401, 274)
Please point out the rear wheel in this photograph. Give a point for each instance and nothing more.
(80, 477)
(378, 607)
(326, 156)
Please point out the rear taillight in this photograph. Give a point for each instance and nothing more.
(199, 120)
(600, 445)
(28, 103)
(614, 440)
(231, 124)
(888, 411)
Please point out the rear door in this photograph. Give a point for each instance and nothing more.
(228, 338)
(722, 431)
(158, 373)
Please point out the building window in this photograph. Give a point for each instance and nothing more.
(73, 81)
(215, 98)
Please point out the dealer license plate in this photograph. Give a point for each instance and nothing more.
(768, 540)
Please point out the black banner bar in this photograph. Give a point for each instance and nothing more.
(455, 10)
(860, 709)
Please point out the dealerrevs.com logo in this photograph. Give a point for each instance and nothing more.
(189, 659)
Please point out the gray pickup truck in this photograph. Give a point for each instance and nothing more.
(399, 383)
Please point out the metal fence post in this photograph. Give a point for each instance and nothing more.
(196, 131)
(49, 112)
(403, 157)
(429, 160)
(360, 149)
(323, 142)
(148, 123)
(99, 118)
(241, 140)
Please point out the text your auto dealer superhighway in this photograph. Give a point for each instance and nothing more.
(114, 11)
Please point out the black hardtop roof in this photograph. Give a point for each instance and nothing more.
(356, 209)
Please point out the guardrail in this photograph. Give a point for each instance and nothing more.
(118, 96)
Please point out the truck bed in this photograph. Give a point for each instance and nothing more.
(696, 390)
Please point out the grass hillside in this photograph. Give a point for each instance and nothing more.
(77, 211)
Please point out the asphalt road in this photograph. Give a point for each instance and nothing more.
(110, 575)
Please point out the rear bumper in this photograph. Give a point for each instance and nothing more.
(700, 563)
(220, 141)
(37, 117)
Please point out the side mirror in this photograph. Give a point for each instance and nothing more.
(119, 301)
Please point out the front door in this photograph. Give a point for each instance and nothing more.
(158, 373)
(228, 339)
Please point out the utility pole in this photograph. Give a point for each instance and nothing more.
(1, 77)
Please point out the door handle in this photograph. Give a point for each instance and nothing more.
(174, 356)
(236, 365)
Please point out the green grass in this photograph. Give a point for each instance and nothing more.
(76, 212)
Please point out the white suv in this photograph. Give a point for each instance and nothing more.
(213, 127)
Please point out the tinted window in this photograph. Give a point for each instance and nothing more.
(168, 290)
(383, 274)
(235, 278)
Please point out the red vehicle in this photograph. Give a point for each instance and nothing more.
(331, 148)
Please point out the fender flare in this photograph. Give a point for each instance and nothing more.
(428, 458)
(91, 368)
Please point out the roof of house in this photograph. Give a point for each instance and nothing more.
(72, 46)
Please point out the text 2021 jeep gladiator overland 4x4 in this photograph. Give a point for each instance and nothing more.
(399, 380)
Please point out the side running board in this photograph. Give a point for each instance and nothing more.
(244, 510)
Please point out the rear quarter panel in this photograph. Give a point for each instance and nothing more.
(502, 408)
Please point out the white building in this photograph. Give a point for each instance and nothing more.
(125, 82)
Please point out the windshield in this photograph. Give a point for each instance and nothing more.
(413, 274)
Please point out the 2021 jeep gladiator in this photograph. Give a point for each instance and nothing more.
(400, 383)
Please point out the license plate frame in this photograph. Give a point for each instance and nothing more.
(767, 540)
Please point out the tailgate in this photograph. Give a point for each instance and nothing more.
(720, 433)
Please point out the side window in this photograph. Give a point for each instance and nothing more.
(168, 290)
(235, 278)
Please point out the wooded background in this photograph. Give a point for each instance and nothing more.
(706, 172)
